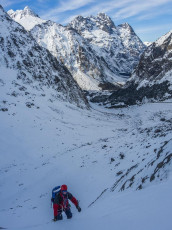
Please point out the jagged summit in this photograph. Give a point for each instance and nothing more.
(26, 17)
(106, 21)
(103, 16)
(28, 11)
(127, 27)
(130, 40)
(101, 21)
(25, 12)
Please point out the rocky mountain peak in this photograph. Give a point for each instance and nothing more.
(28, 11)
(26, 17)
(22, 13)
(101, 21)
(105, 18)
(105, 22)
(130, 40)
(81, 24)
(126, 26)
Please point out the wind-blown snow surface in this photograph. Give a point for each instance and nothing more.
(94, 152)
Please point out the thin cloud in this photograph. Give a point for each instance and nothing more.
(6, 3)
(122, 9)
(137, 8)
(154, 14)
(154, 28)
(67, 20)
(101, 7)
(67, 6)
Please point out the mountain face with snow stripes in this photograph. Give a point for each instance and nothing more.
(34, 64)
(94, 50)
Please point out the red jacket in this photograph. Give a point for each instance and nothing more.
(61, 201)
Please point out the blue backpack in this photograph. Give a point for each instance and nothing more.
(55, 191)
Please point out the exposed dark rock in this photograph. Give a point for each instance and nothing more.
(112, 159)
(4, 109)
(131, 95)
(160, 165)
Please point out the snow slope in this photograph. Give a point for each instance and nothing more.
(89, 151)
(116, 162)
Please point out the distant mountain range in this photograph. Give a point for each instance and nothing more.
(108, 62)
(97, 53)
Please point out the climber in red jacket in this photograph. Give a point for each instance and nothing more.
(61, 203)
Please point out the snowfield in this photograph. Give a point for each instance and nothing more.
(117, 162)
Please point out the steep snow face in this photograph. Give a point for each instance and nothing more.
(75, 52)
(27, 18)
(119, 45)
(131, 41)
(34, 64)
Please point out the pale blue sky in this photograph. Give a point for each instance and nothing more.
(149, 18)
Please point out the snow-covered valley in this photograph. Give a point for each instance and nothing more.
(116, 162)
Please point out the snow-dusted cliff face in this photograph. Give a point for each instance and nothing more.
(131, 41)
(119, 45)
(155, 64)
(27, 18)
(91, 48)
(75, 52)
(152, 78)
(35, 66)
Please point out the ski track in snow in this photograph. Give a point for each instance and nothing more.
(94, 152)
